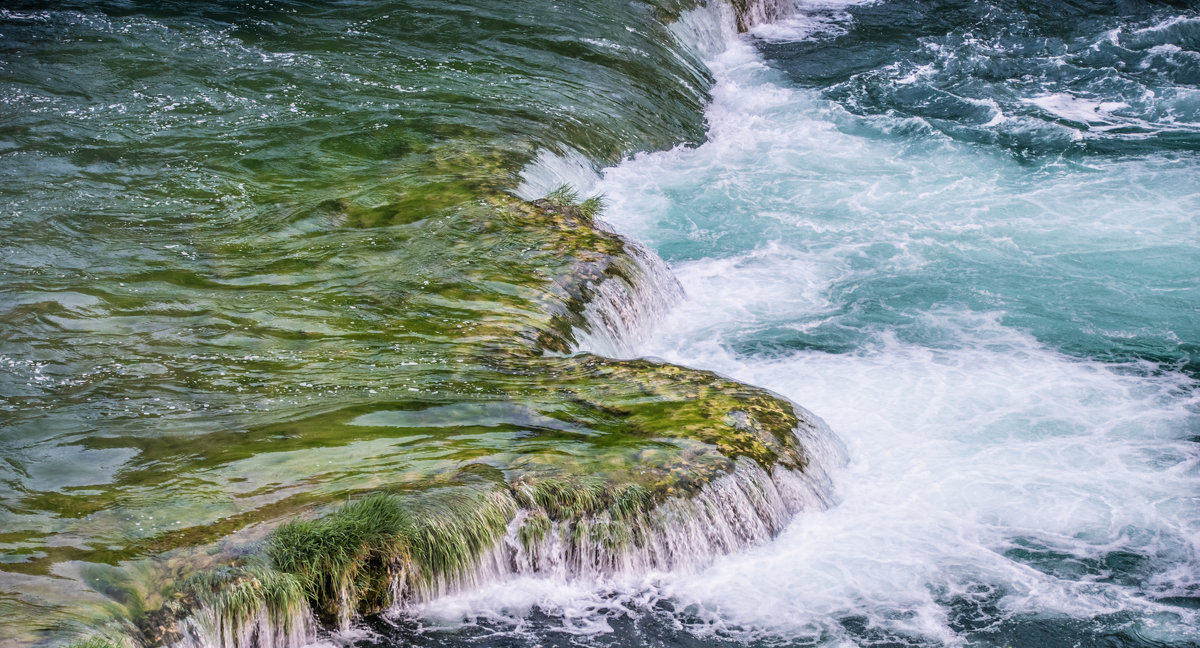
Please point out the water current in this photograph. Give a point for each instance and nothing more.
(965, 233)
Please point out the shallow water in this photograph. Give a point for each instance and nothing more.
(248, 266)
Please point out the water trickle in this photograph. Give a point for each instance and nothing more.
(624, 309)
(207, 628)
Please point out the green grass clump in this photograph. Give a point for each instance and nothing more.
(569, 499)
(566, 198)
(533, 530)
(630, 501)
(450, 534)
(349, 557)
(348, 561)
(592, 207)
(562, 196)
(237, 594)
(577, 498)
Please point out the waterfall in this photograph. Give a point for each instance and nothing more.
(210, 628)
(623, 309)
(744, 508)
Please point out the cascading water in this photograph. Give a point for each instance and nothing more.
(743, 509)
(975, 258)
(209, 629)
(258, 262)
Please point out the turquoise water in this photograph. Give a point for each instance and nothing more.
(963, 233)
(966, 235)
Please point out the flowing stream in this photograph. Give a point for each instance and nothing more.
(966, 234)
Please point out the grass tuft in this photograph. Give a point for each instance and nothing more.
(348, 556)
(570, 499)
(577, 498)
(449, 536)
(592, 207)
(631, 501)
(238, 594)
(562, 196)
(348, 561)
(565, 197)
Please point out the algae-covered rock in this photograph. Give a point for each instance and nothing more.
(475, 446)
(637, 436)
(483, 449)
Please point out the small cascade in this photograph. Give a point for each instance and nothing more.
(712, 27)
(707, 30)
(623, 308)
(744, 508)
(208, 627)
(751, 13)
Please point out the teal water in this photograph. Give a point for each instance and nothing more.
(964, 233)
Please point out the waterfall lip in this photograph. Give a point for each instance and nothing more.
(746, 506)
(622, 313)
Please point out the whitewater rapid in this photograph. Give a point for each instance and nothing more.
(994, 478)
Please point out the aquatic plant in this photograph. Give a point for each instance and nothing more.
(347, 557)
(453, 529)
(237, 594)
(359, 558)
(566, 197)
(575, 498)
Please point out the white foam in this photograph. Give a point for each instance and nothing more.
(965, 441)
(1095, 113)
(956, 453)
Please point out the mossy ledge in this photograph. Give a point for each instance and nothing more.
(387, 551)
(612, 466)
